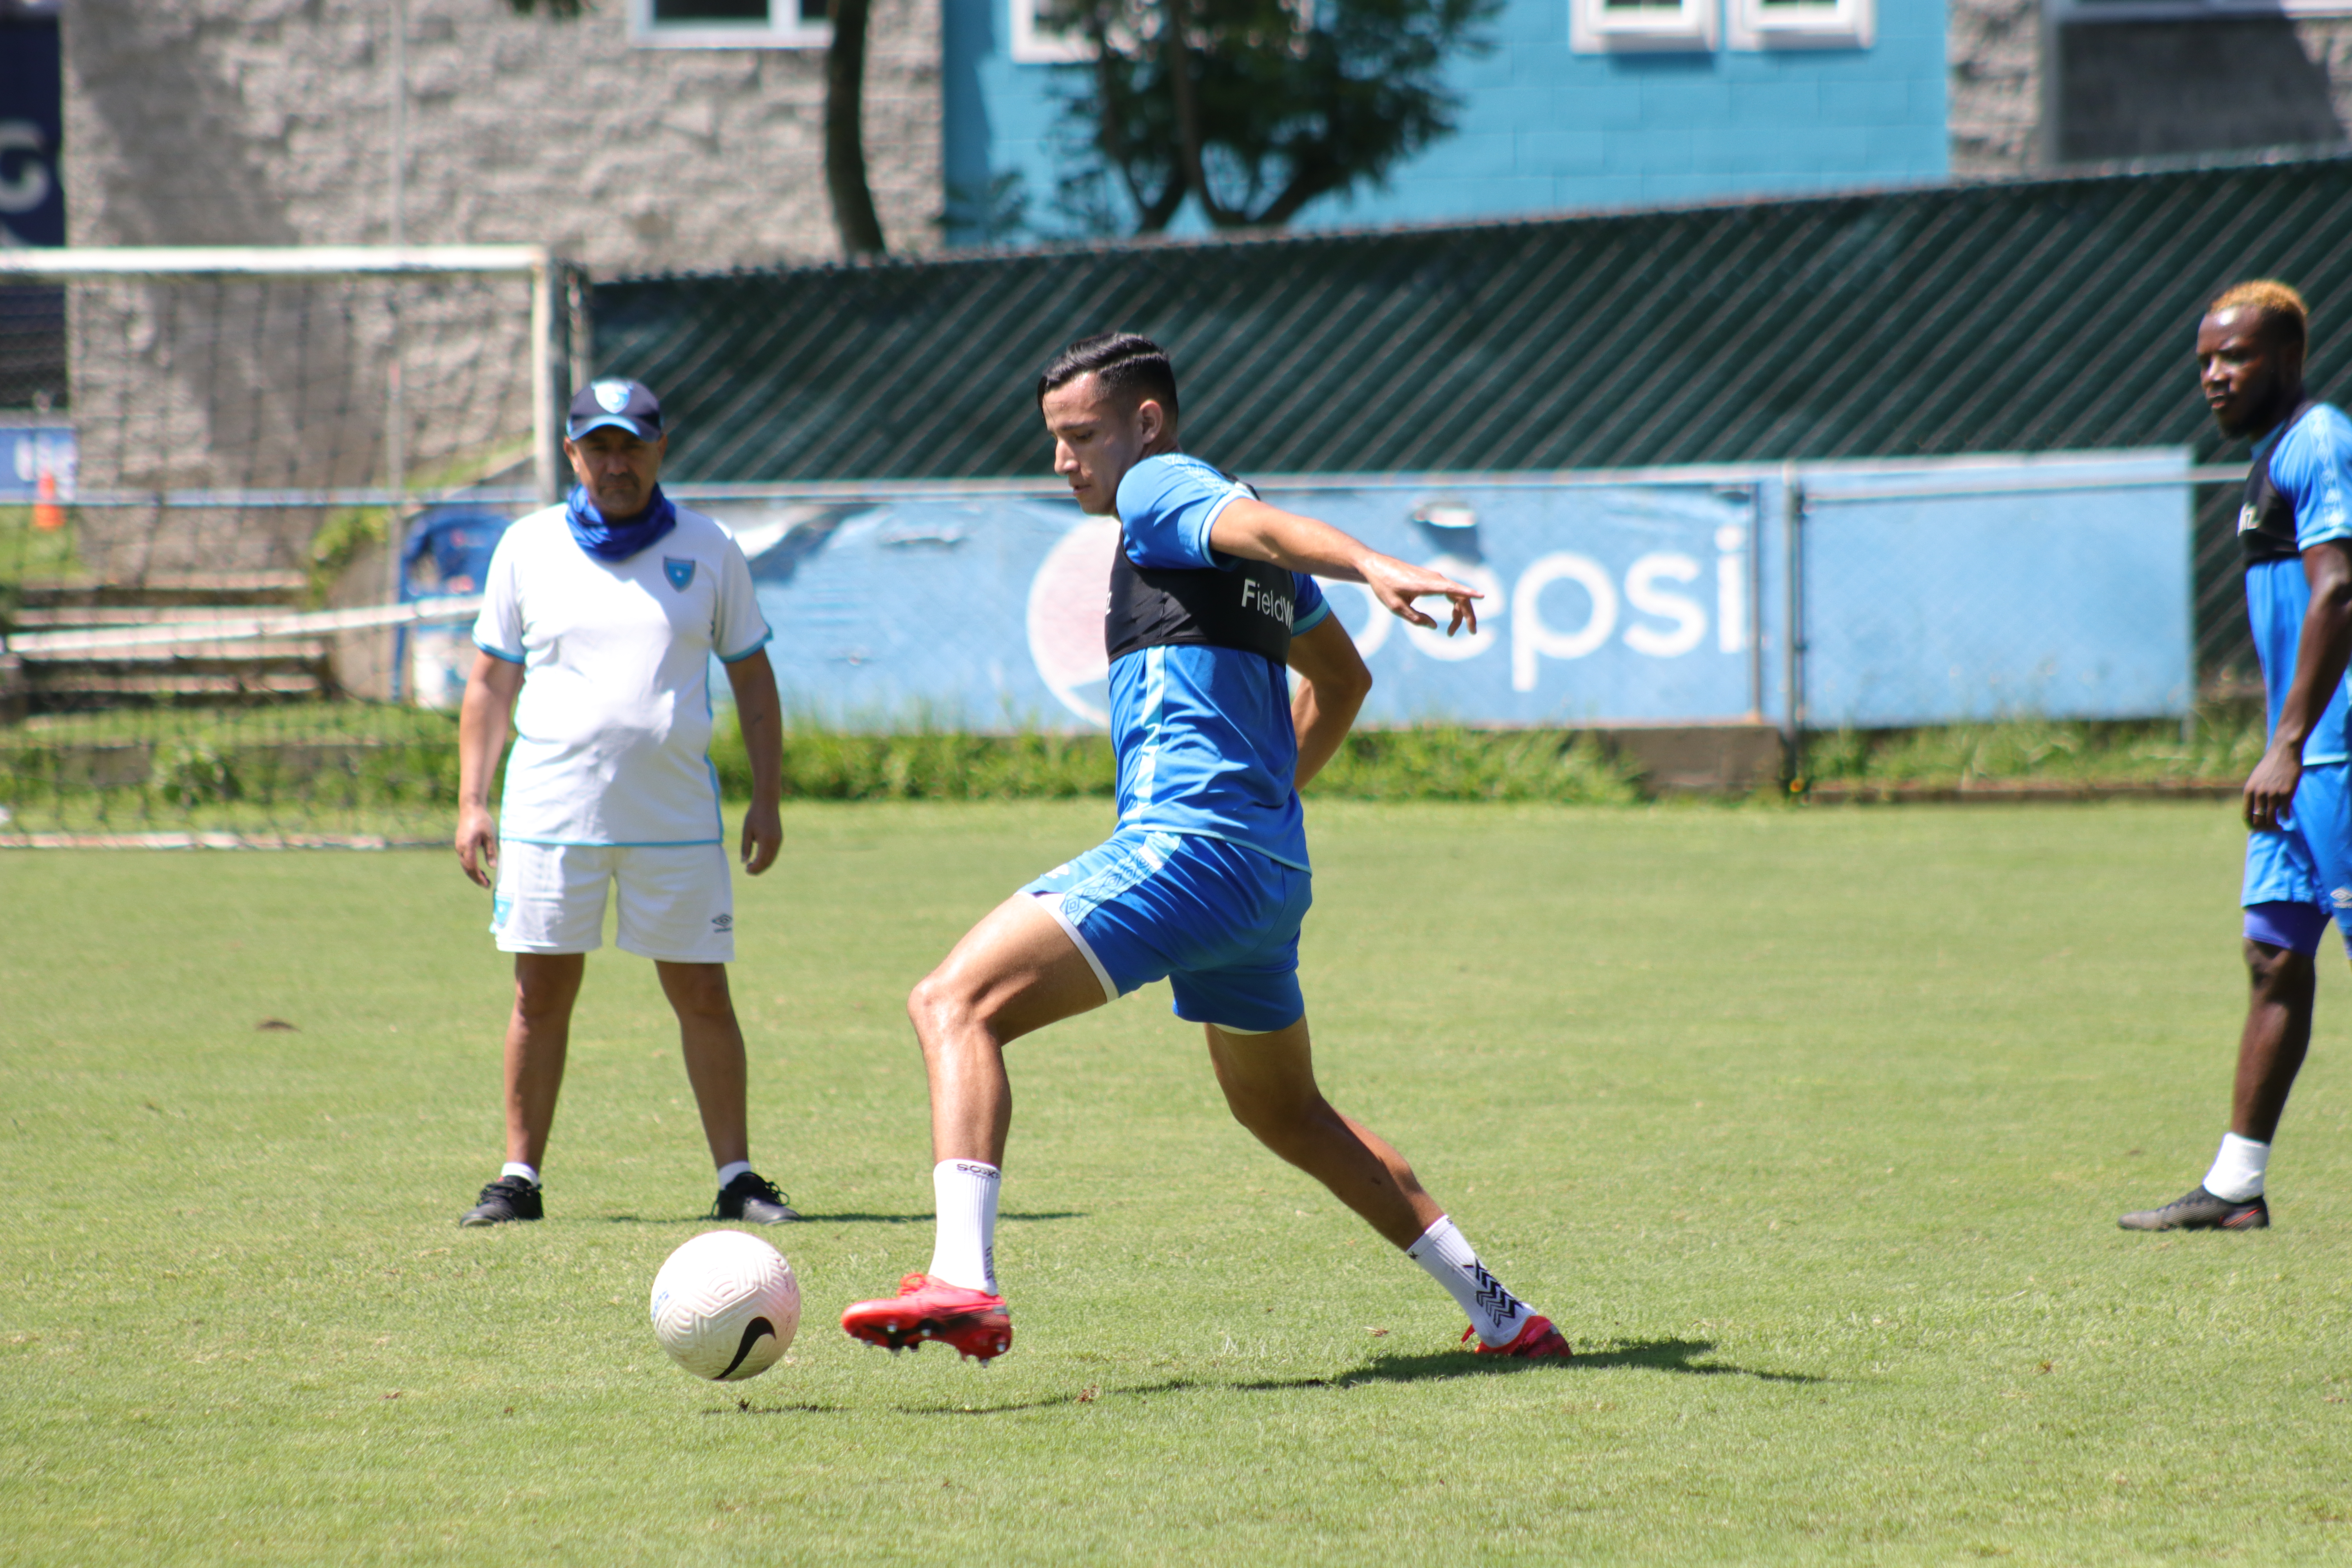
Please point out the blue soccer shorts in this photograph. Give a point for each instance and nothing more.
(2300, 877)
(1219, 922)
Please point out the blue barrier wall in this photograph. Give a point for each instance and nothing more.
(1932, 591)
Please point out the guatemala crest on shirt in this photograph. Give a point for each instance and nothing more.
(679, 573)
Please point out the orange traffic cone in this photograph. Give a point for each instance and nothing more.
(47, 512)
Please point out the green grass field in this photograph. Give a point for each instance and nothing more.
(1809, 1126)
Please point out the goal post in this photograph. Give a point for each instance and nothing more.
(203, 532)
(556, 353)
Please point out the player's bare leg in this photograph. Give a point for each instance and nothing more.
(712, 1043)
(539, 1037)
(711, 1040)
(2280, 984)
(1269, 1084)
(1014, 973)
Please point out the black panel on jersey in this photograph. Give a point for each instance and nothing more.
(1246, 606)
(2266, 518)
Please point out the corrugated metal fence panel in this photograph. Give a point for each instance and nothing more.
(2037, 316)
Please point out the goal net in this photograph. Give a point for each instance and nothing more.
(242, 494)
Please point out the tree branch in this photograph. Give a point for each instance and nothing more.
(853, 216)
(1177, 57)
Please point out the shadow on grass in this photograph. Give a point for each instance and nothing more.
(745, 1407)
(1657, 1355)
(844, 1216)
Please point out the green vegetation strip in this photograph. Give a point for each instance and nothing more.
(1810, 1128)
(366, 768)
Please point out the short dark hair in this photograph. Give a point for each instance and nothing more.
(1129, 365)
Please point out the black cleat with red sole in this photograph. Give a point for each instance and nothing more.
(2200, 1210)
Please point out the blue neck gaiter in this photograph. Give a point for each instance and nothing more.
(617, 541)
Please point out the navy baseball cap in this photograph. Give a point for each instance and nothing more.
(623, 404)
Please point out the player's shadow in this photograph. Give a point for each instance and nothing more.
(842, 1216)
(1657, 1355)
(852, 1216)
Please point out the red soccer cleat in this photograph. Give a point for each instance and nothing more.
(1536, 1339)
(976, 1323)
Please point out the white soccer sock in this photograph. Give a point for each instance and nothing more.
(1447, 1254)
(2237, 1172)
(964, 1252)
(732, 1169)
(517, 1168)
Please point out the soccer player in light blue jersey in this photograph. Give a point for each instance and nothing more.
(1205, 880)
(2296, 530)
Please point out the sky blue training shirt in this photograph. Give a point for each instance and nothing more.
(1203, 734)
(2310, 467)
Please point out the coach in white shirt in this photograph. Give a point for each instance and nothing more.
(602, 616)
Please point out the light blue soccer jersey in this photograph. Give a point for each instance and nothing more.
(1203, 734)
(2310, 467)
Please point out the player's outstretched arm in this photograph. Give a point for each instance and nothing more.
(491, 691)
(1257, 532)
(760, 713)
(2320, 656)
(1333, 686)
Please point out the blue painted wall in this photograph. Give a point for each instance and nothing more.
(1543, 128)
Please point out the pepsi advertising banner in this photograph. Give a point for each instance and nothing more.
(1933, 592)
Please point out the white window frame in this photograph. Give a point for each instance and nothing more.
(790, 34)
(1683, 27)
(1802, 24)
(1030, 45)
(2074, 11)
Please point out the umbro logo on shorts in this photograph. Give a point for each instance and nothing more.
(722, 922)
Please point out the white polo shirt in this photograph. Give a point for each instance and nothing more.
(613, 727)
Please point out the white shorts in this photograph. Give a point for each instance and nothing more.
(678, 902)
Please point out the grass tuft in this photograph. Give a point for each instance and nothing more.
(2221, 746)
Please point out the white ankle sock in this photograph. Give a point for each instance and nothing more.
(2237, 1172)
(517, 1168)
(1447, 1253)
(732, 1169)
(965, 1251)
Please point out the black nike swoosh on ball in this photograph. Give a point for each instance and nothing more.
(751, 1331)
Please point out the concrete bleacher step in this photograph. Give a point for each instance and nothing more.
(199, 669)
(280, 590)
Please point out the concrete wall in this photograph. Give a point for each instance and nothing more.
(2141, 89)
(1994, 50)
(270, 123)
(1546, 129)
(267, 122)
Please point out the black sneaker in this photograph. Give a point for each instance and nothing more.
(2200, 1210)
(753, 1199)
(507, 1198)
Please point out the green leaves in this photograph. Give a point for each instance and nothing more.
(1253, 107)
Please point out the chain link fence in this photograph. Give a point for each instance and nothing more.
(211, 467)
(238, 452)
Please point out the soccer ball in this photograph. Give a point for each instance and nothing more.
(726, 1306)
